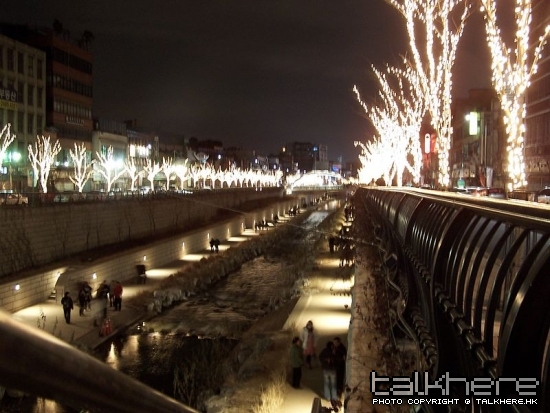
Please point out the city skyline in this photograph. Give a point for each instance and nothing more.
(249, 74)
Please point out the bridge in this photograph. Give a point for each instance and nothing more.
(473, 276)
(315, 180)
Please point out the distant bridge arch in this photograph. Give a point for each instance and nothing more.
(317, 179)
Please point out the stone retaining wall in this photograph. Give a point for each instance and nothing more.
(38, 235)
(37, 287)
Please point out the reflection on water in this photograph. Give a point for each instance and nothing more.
(177, 365)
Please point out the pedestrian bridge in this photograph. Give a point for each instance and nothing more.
(316, 180)
(473, 277)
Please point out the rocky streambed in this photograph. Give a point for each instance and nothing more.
(244, 294)
(226, 293)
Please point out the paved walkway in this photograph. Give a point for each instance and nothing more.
(327, 306)
(83, 331)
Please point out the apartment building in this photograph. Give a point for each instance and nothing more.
(23, 106)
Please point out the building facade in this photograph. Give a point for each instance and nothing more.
(68, 90)
(478, 150)
(23, 106)
(309, 156)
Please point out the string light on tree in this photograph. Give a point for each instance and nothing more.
(42, 156)
(441, 24)
(169, 170)
(82, 169)
(109, 168)
(6, 138)
(512, 71)
(130, 168)
(397, 120)
(151, 170)
(182, 172)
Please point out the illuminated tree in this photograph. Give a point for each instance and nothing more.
(82, 168)
(512, 71)
(397, 120)
(42, 156)
(109, 168)
(130, 168)
(169, 170)
(182, 172)
(151, 170)
(440, 24)
(6, 138)
(376, 161)
(201, 172)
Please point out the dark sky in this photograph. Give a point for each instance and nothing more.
(250, 73)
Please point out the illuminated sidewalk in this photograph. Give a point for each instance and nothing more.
(328, 309)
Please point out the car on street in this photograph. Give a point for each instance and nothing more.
(497, 193)
(476, 191)
(543, 196)
(68, 196)
(14, 199)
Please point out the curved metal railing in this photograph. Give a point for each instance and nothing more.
(477, 273)
(35, 362)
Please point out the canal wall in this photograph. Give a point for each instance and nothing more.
(37, 235)
(20, 292)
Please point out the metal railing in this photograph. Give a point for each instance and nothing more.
(476, 274)
(35, 362)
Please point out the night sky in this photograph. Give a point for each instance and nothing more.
(250, 73)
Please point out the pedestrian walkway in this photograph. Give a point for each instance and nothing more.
(327, 306)
(85, 331)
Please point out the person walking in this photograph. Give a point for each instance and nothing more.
(340, 353)
(327, 358)
(82, 301)
(308, 338)
(111, 293)
(67, 303)
(103, 295)
(88, 292)
(117, 293)
(296, 362)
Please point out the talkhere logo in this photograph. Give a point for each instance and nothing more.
(418, 390)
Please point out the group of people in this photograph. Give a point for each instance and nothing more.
(261, 225)
(106, 293)
(215, 244)
(332, 360)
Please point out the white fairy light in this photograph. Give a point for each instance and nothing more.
(441, 23)
(130, 168)
(108, 168)
(6, 138)
(397, 120)
(82, 169)
(151, 169)
(42, 156)
(512, 71)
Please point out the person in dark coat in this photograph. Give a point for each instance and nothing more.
(296, 362)
(82, 301)
(328, 364)
(67, 303)
(103, 294)
(88, 291)
(331, 242)
(340, 353)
